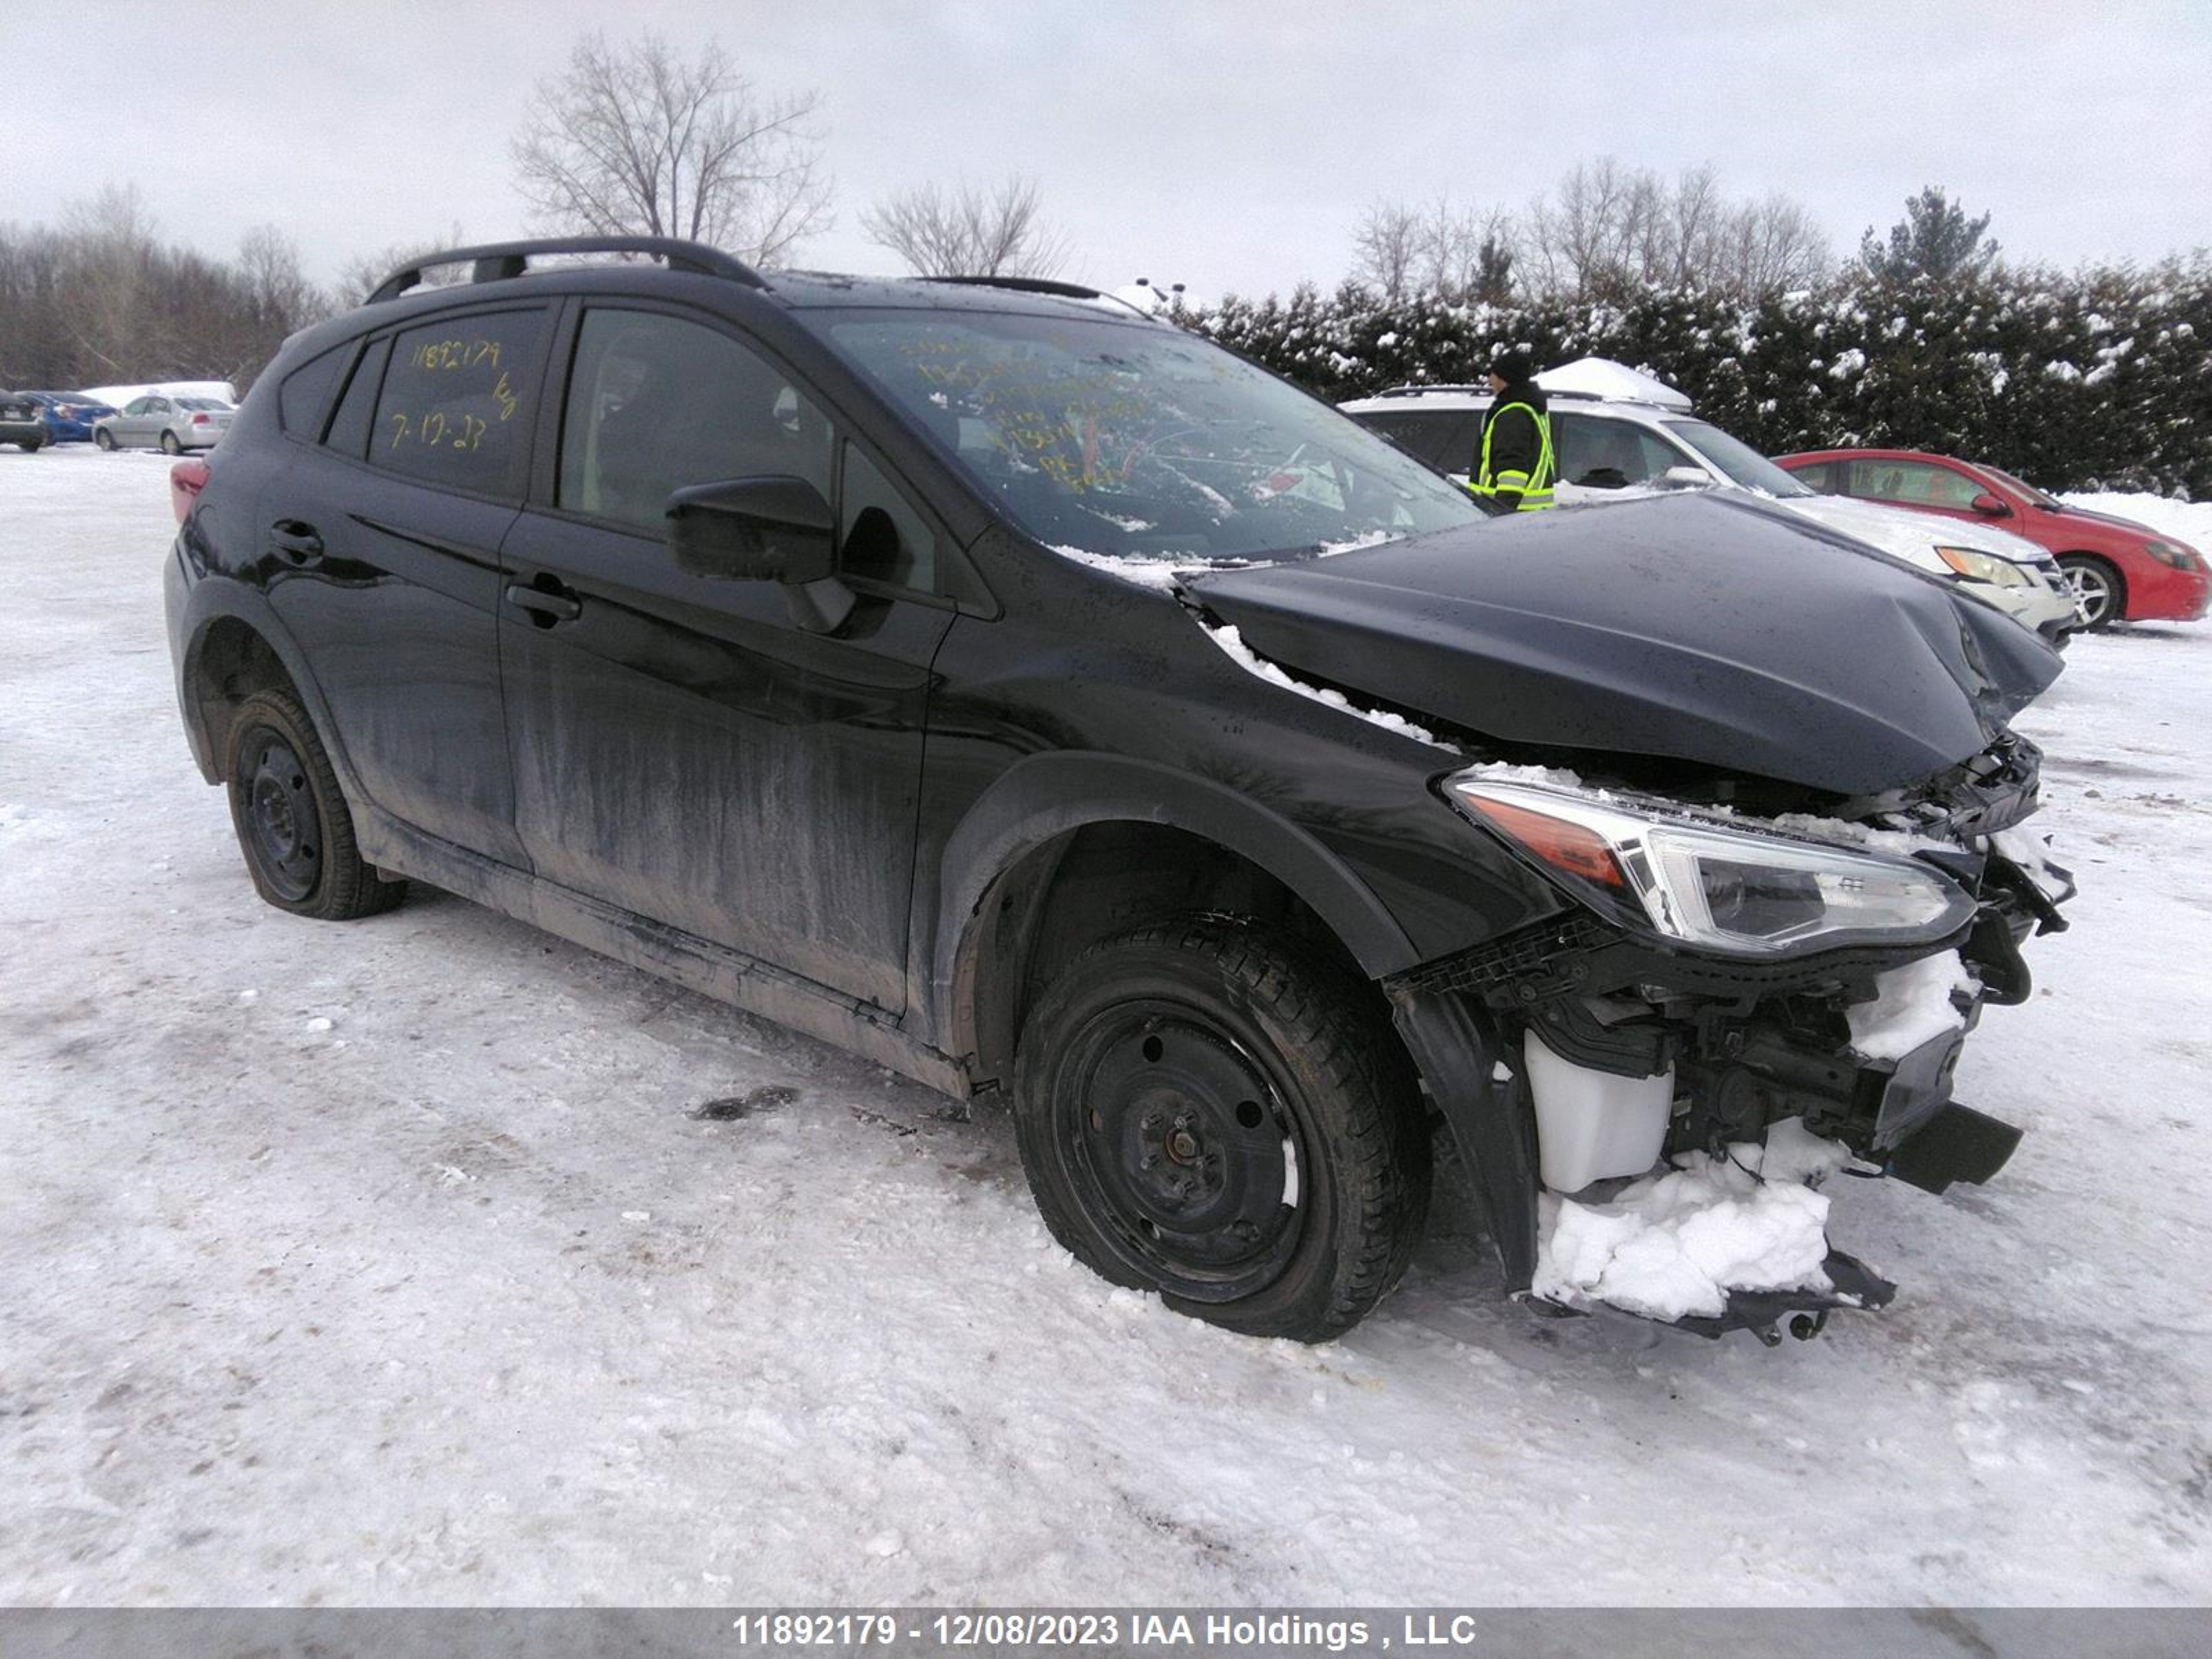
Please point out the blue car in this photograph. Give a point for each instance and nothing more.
(68, 416)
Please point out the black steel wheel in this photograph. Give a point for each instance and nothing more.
(291, 818)
(1214, 1112)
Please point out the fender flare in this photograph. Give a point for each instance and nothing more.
(1046, 796)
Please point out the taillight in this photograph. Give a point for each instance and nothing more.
(200, 419)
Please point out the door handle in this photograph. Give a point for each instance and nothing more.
(549, 607)
(297, 543)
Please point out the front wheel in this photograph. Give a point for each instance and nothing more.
(104, 439)
(292, 821)
(2098, 589)
(170, 446)
(1214, 1111)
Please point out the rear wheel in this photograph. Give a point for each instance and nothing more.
(1214, 1111)
(31, 445)
(104, 439)
(170, 446)
(292, 821)
(2099, 589)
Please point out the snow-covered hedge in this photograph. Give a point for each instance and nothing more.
(2097, 380)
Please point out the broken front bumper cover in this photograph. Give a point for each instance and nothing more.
(1852, 1284)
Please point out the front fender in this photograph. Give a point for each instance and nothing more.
(1048, 795)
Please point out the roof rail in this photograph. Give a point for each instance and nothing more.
(496, 261)
(1483, 392)
(1025, 284)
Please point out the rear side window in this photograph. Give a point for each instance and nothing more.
(306, 391)
(349, 433)
(656, 403)
(455, 402)
(1441, 438)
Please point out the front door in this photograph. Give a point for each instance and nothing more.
(683, 747)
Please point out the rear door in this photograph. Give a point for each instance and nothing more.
(683, 747)
(383, 544)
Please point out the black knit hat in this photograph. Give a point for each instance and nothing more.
(1513, 364)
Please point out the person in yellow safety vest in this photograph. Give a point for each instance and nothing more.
(1514, 464)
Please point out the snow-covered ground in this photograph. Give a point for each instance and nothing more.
(389, 1262)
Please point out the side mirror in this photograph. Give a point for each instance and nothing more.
(1685, 477)
(1989, 507)
(770, 530)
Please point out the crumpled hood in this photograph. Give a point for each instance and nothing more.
(1717, 630)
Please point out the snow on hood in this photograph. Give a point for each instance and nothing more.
(1601, 377)
(1910, 535)
(1711, 628)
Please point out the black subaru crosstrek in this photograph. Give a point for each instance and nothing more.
(1058, 709)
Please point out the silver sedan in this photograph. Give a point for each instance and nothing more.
(160, 421)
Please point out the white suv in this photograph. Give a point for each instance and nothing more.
(1613, 447)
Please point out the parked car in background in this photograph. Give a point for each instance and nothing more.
(171, 425)
(68, 416)
(20, 422)
(2121, 571)
(1611, 447)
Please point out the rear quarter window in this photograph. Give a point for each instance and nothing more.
(1444, 438)
(454, 406)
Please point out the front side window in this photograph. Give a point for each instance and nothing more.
(880, 538)
(1138, 441)
(1737, 460)
(1913, 483)
(656, 403)
(1599, 454)
(1820, 476)
(456, 399)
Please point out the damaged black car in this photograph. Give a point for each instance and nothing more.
(1055, 708)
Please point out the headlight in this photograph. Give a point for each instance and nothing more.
(1984, 567)
(1714, 886)
(2175, 554)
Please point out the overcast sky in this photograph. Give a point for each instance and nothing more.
(1229, 146)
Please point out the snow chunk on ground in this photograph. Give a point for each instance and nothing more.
(1233, 642)
(1675, 1243)
(1912, 1006)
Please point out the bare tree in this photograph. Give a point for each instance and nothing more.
(1608, 229)
(1454, 252)
(112, 255)
(1386, 247)
(969, 230)
(276, 282)
(359, 276)
(636, 139)
(1772, 246)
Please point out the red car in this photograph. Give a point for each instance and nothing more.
(2121, 571)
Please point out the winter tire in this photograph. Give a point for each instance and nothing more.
(291, 819)
(1214, 1111)
(103, 439)
(170, 446)
(2100, 590)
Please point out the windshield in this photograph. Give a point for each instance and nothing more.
(2035, 497)
(1738, 461)
(1134, 441)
